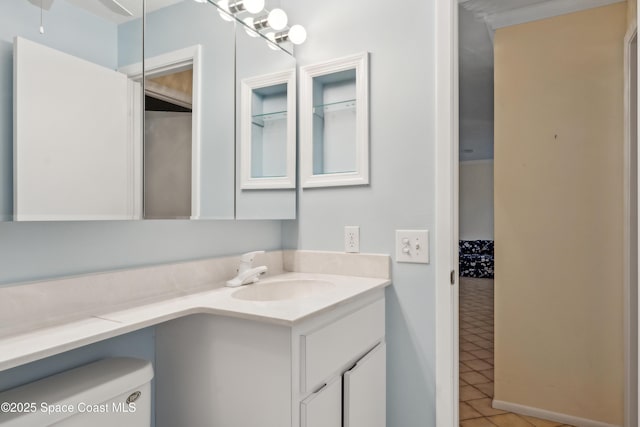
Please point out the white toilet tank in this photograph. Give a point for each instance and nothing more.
(109, 393)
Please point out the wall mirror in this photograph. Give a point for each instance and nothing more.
(81, 149)
(189, 111)
(334, 122)
(266, 127)
(75, 137)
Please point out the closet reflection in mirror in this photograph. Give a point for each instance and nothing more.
(168, 145)
(189, 162)
(266, 126)
(70, 154)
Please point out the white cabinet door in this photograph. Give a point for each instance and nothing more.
(76, 153)
(324, 407)
(365, 391)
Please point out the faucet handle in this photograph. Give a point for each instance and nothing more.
(249, 256)
(246, 261)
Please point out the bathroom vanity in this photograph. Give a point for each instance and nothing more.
(303, 347)
(241, 372)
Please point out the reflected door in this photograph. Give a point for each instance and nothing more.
(75, 144)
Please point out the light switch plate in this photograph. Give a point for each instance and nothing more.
(412, 246)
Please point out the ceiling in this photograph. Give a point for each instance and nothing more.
(476, 88)
(478, 20)
(100, 8)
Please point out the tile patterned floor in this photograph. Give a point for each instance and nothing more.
(476, 361)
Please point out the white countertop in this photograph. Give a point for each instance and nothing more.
(25, 347)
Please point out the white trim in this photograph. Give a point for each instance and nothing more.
(543, 10)
(173, 62)
(548, 415)
(164, 93)
(446, 236)
(628, 362)
(134, 178)
(476, 162)
(248, 86)
(71, 217)
(359, 63)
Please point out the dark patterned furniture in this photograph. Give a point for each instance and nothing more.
(476, 258)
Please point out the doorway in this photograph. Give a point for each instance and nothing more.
(172, 87)
(447, 211)
(168, 145)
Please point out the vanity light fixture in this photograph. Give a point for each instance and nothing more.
(271, 40)
(276, 19)
(251, 6)
(296, 35)
(223, 10)
(250, 22)
(227, 10)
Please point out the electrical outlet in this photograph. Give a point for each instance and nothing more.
(412, 246)
(352, 238)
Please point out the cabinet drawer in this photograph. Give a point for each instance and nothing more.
(325, 351)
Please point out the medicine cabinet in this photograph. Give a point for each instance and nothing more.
(97, 137)
(268, 131)
(334, 122)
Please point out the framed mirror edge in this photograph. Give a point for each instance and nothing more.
(248, 182)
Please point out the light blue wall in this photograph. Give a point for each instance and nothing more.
(32, 251)
(402, 190)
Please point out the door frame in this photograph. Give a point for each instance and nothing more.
(446, 239)
(171, 62)
(629, 409)
(446, 236)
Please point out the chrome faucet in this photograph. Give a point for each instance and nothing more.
(247, 274)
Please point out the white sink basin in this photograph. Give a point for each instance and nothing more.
(282, 290)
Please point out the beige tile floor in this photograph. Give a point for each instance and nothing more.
(476, 361)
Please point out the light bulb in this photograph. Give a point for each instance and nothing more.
(250, 27)
(277, 19)
(297, 34)
(224, 5)
(253, 6)
(271, 36)
(200, 1)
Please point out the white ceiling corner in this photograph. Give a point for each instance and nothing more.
(504, 13)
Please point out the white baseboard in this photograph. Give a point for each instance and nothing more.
(548, 415)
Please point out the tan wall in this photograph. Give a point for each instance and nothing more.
(632, 6)
(559, 213)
